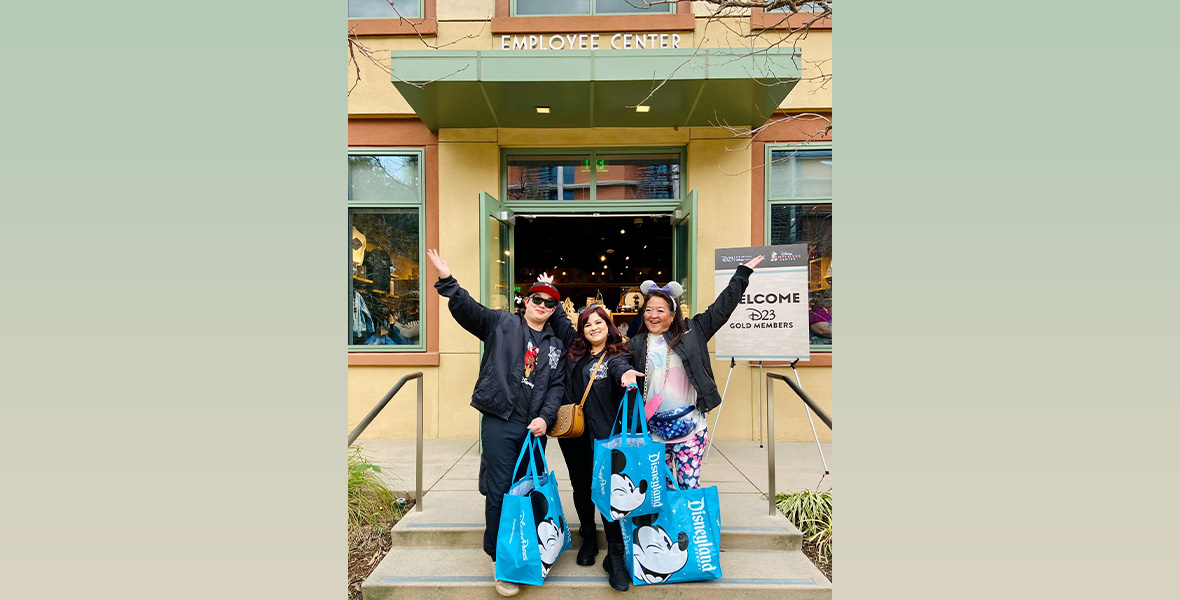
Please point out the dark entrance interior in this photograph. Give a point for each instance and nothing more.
(591, 255)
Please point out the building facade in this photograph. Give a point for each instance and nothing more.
(597, 140)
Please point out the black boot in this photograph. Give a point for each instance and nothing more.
(615, 565)
(588, 553)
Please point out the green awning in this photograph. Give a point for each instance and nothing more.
(595, 88)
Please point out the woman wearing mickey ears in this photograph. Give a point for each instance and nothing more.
(673, 354)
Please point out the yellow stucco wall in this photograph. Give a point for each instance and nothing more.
(718, 166)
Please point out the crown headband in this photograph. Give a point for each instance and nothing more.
(672, 289)
(602, 306)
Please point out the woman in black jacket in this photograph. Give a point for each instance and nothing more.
(595, 364)
(673, 354)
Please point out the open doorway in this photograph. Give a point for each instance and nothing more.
(593, 255)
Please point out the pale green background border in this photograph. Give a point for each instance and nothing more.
(173, 370)
(174, 385)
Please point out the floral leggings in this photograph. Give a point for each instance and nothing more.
(684, 459)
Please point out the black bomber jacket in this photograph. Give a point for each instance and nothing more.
(502, 366)
(693, 348)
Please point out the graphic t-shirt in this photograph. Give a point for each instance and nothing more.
(677, 418)
(602, 403)
(532, 350)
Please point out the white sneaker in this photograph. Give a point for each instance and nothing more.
(504, 588)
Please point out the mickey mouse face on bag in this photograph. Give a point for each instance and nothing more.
(624, 495)
(550, 533)
(656, 556)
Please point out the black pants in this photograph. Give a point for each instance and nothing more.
(502, 441)
(579, 459)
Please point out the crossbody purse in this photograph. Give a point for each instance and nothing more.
(570, 422)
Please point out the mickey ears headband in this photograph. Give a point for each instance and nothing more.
(672, 288)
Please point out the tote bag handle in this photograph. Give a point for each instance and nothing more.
(525, 449)
(636, 410)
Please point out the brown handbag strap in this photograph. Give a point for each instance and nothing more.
(586, 394)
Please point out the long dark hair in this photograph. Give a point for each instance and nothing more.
(677, 328)
(614, 340)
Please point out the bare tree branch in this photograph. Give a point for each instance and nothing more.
(782, 32)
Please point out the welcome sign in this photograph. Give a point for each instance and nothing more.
(771, 321)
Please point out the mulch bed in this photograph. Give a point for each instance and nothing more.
(366, 547)
(809, 549)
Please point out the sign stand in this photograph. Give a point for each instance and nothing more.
(709, 445)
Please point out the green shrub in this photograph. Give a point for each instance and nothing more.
(370, 503)
(811, 512)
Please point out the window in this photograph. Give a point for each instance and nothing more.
(591, 175)
(385, 214)
(799, 211)
(531, 8)
(381, 9)
(806, 7)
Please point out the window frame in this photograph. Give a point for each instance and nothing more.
(672, 10)
(420, 205)
(770, 200)
(593, 204)
(421, 15)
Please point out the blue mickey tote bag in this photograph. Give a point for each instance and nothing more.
(628, 466)
(680, 543)
(533, 531)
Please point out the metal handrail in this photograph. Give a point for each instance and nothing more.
(377, 409)
(819, 412)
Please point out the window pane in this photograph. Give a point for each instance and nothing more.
(380, 9)
(638, 176)
(552, 7)
(810, 224)
(800, 173)
(629, 6)
(384, 297)
(383, 179)
(549, 177)
(805, 7)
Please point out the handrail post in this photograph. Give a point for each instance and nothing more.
(770, 440)
(418, 459)
(807, 402)
(356, 432)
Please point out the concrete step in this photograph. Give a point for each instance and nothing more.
(456, 519)
(466, 574)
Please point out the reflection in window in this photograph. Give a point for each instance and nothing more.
(383, 178)
(548, 178)
(586, 7)
(380, 9)
(384, 302)
(800, 173)
(638, 177)
(594, 176)
(799, 191)
(806, 7)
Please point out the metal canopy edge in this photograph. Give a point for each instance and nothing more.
(708, 87)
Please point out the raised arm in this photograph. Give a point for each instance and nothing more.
(476, 318)
(709, 321)
(559, 320)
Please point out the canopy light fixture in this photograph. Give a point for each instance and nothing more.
(542, 110)
(642, 108)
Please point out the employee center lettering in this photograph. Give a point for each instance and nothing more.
(589, 41)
